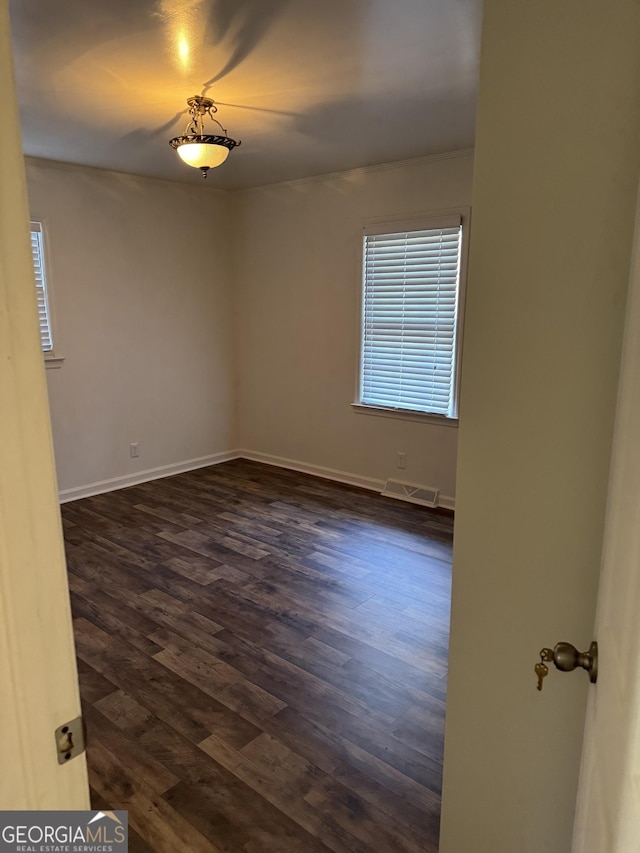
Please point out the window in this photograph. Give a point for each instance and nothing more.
(411, 326)
(44, 313)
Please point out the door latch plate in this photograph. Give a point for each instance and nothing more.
(70, 740)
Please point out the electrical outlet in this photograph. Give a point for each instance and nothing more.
(401, 459)
(133, 450)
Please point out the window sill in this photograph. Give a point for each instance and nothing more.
(404, 415)
(52, 362)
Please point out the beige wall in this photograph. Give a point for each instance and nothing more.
(174, 317)
(140, 274)
(557, 157)
(298, 279)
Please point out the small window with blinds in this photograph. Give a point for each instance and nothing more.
(44, 313)
(411, 316)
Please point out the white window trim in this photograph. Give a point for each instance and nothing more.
(52, 359)
(404, 414)
(416, 222)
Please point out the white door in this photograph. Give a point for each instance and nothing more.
(554, 200)
(38, 679)
(608, 813)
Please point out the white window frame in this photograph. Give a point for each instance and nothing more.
(432, 219)
(50, 358)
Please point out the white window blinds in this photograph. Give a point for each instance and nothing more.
(411, 297)
(37, 253)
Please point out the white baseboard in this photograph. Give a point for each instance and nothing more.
(316, 470)
(374, 485)
(347, 477)
(114, 483)
(446, 502)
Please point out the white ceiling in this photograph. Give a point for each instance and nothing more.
(309, 86)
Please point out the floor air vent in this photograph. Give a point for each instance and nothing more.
(413, 494)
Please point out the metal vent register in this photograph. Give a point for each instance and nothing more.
(411, 493)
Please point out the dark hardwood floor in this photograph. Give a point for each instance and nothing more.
(262, 659)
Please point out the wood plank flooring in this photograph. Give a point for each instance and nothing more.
(262, 659)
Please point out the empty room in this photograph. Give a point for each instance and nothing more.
(261, 636)
(288, 289)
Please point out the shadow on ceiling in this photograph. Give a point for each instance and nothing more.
(240, 24)
(243, 24)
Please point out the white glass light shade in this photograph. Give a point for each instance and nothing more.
(203, 154)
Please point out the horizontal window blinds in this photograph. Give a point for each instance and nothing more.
(37, 253)
(411, 283)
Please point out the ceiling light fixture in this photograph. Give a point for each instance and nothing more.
(202, 150)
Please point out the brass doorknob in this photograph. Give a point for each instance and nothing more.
(566, 658)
